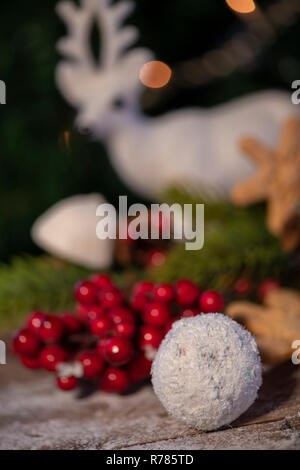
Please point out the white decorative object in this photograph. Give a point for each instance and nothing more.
(193, 146)
(70, 369)
(207, 371)
(68, 230)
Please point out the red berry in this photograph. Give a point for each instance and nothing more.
(267, 286)
(242, 287)
(35, 321)
(86, 292)
(124, 328)
(111, 297)
(30, 362)
(139, 369)
(26, 343)
(150, 336)
(102, 281)
(67, 383)
(51, 356)
(164, 292)
(120, 314)
(52, 329)
(101, 326)
(170, 324)
(143, 287)
(156, 258)
(157, 314)
(186, 293)
(118, 351)
(138, 302)
(211, 301)
(114, 380)
(101, 348)
(92, 364)
(189, 312)
(88, 313)
(71, 323)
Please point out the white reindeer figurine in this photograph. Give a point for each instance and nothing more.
(197, 146)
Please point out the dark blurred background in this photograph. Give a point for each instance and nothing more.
(44, 159)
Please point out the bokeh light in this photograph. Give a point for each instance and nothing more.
(241, 6)
(155, 74)
(67, 139)
(64, 140)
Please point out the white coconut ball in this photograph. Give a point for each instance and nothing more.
(207, 371)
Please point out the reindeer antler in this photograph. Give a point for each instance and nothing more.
(117, 40)
(109, 18)
(92, 85)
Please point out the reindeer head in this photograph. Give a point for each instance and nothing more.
(97, 87)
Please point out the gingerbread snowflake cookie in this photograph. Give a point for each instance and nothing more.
(277, 181)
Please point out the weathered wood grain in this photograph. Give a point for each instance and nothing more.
(34, 415)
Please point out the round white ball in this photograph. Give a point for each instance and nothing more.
(207, 371)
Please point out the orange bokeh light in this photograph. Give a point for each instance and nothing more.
(155, 74)
(241, 6)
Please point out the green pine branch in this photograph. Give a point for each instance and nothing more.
(237, 243)
(35, 283)
(31, 283)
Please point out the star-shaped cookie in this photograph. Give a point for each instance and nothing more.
(277, 181)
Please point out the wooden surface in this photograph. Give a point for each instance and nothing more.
(34, 415)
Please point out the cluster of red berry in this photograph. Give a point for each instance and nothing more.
(109, 340)
(244, 287)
